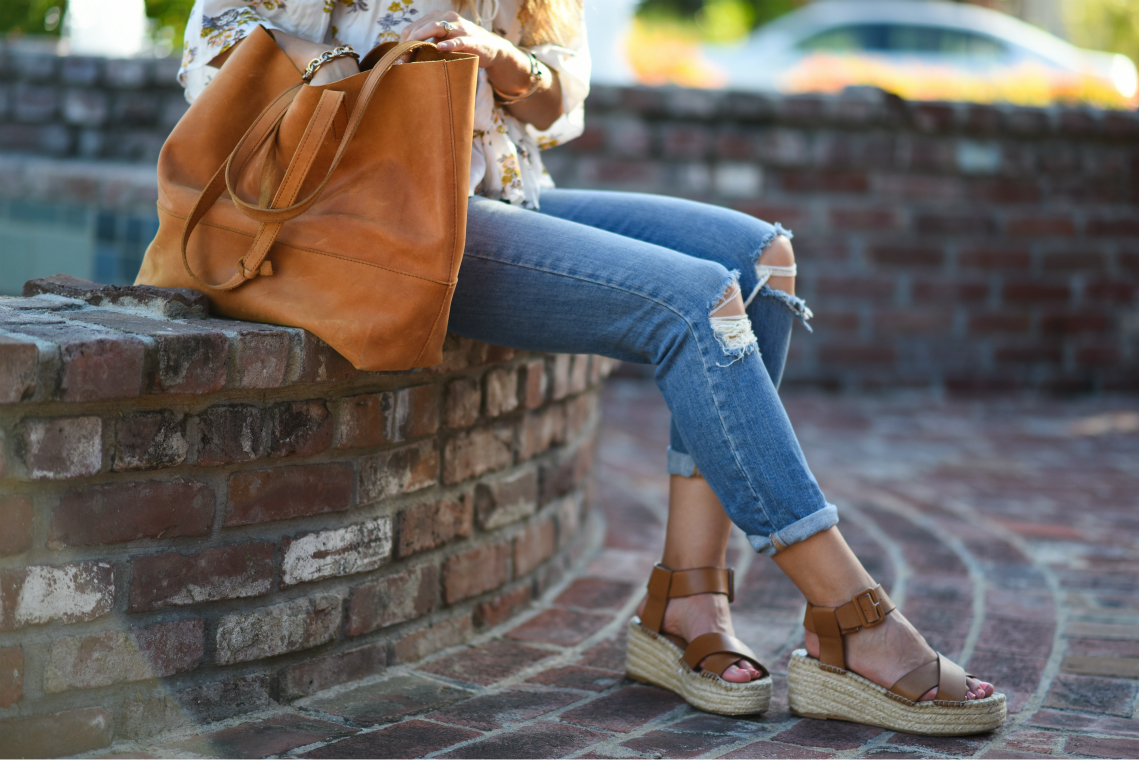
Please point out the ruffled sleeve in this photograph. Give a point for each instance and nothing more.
(214, 26)
(572, 64)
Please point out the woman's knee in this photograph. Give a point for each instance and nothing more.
(781, 256)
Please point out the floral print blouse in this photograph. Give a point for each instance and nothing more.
(505, 160)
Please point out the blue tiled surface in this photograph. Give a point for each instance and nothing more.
(42, 239)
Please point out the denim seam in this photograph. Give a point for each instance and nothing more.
(703, 361)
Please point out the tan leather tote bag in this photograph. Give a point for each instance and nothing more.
(346, 205)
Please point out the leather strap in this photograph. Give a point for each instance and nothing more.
(721, 651)
(284, 206)
(866, 609)
(943, 673)
(665, 584)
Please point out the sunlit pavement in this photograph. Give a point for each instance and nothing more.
(1007, 530)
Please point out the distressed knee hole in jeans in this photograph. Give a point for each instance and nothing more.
(733, 332)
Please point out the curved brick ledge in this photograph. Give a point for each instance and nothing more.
(201, 515)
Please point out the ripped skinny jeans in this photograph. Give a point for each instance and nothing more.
(635, 277)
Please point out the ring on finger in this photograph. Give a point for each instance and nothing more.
(448, 27)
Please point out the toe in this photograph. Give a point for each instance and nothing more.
(736, 674)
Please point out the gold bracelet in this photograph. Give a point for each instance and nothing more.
(536, 75)
(328, 55)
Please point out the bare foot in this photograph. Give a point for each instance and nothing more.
(889, 651)
(692, 616)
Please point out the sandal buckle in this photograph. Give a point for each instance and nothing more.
(731, 585)
(867, 605)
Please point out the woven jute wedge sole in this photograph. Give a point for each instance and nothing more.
(655, 660)
(816, 690)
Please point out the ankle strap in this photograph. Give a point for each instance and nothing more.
(665, 584)
(865, 610)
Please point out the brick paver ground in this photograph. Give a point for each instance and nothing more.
(1007, 529)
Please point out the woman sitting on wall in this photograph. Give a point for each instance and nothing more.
(703, 293)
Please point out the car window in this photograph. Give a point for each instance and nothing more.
(901, 38)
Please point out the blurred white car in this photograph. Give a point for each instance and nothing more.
(921, 50)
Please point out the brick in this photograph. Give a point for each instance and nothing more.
(560, 376)
(395, 599)
(559, 627)
(149, 441)
(19, 365)
(833, 735)
(464, 397)
(1101, 747)
(487, 663)
(997, 258)
(271, 736)
(534, 545)
(388, 700)
(1039, 292)
(418, 644)
(265, 495)
(596, 593)
(58, 735)
(143, 717)
(1007, 321)
(475, 571)
(18, 518)
(299, 428)
(338, 552)
(63, 448)
(478, 451)
(413, 738)
(306, 678)
(11, 675)
(230, 433)
(86, 108)
(270, 631)
(34, 104)
(576, 677)
(188, 359)
(580, 411)
(1091, 724)
(1075, 323)
(132, 74)
(237, 571)
(901, 255)
(96, 364)
(540, 430)
(320, 363)
(923, 289)
(116, 512)
(501, 392)
(168, 303)
(1125, 228)
(1110, 291)
(1093, 694)
(427, 526)
(506, 500)
(851, 353)
(676, 744)
(684, 141)
(913, 320)
(39, 594)
(515, 704)
(825, 182)
(260, 354)
(1063, 262)
(503, 606)
(853, 286)
(534, 382)
(1052, 225)
(393, 417)
(397, 471)
(955, 223)
(570, 513)
(624, 710)
(80, 70)
(136, 654)
(863, 218)
(959, 746)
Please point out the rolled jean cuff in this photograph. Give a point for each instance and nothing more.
(800, 530)
(680, 463)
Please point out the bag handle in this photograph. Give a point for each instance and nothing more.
(283, 206)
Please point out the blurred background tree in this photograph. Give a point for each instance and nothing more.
(45, 17)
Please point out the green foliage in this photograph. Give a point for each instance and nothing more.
(171, 15)
(40, 17)
(1109, 25)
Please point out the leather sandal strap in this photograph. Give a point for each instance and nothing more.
(665, 584)
(866, 609)
(721, 650)
(946, 675)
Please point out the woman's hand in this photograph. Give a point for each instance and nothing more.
(507, 67)
(463, 37)
(301, 51)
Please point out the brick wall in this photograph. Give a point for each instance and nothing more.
(201, 515)
(948, 245)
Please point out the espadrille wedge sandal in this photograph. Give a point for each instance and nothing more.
(672, 663)
(824, 688)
